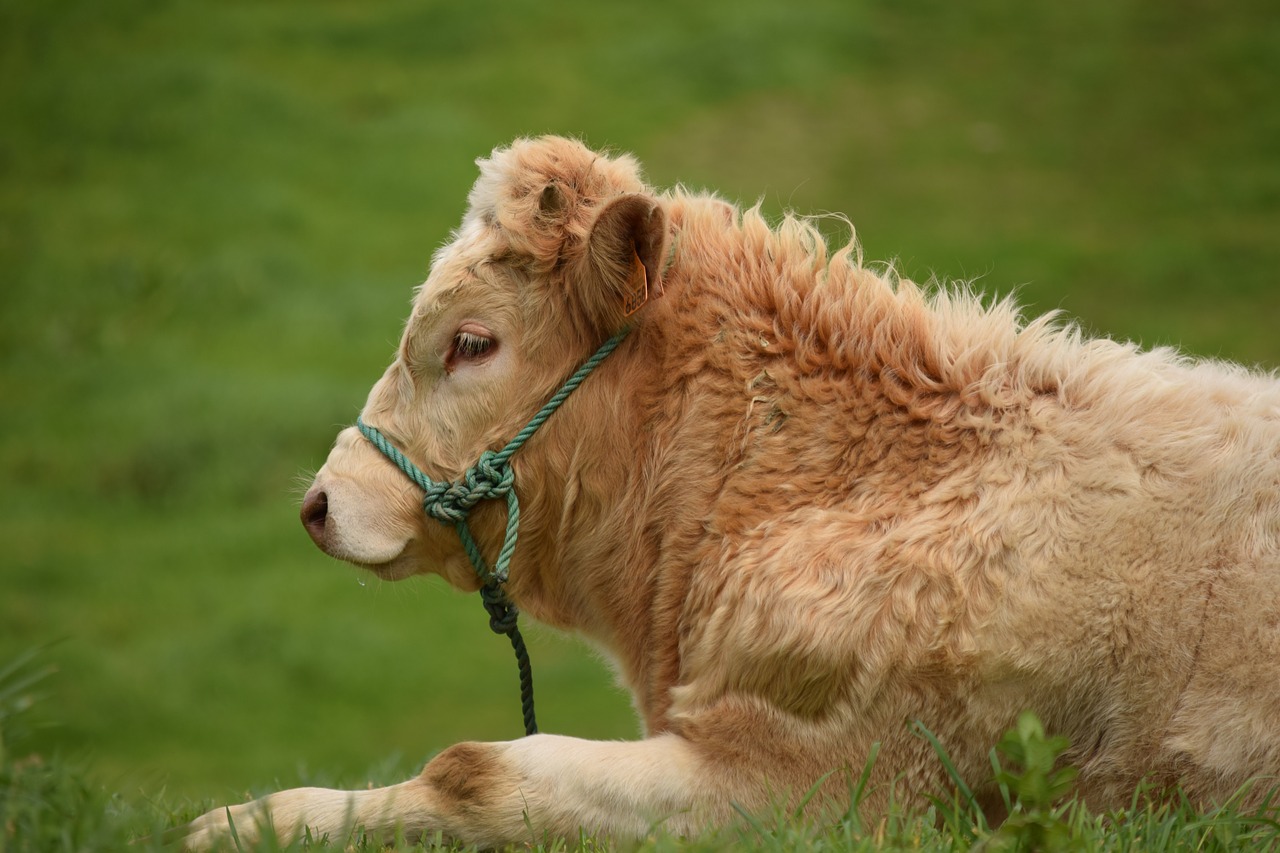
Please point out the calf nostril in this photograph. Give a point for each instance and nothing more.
(315, 509)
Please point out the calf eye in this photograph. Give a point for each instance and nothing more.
(468, 346)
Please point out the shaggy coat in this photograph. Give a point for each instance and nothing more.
(802, 505)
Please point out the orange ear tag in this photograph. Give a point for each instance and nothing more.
(638, 296)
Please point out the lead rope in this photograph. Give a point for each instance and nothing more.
(491, 478)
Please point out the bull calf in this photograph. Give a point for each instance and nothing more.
(801, 504)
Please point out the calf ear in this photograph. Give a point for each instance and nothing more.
(626, 252)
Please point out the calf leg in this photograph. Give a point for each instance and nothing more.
(492, 794)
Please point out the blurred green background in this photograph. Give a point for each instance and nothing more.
(212, 216)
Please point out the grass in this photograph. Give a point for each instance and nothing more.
(48, 805)
(212, 215)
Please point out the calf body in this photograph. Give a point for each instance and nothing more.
(802, 505)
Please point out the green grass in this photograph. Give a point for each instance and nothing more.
(48, 805)
(212, 216)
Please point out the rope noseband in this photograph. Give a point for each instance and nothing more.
(491, 478)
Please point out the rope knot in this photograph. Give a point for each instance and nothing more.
(502, 613)
(488, 479)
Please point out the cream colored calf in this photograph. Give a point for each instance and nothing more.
(800, 506)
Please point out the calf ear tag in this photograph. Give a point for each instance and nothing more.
(639, 294)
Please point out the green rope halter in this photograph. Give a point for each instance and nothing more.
(491, 478)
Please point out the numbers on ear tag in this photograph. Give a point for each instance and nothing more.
(638, 295)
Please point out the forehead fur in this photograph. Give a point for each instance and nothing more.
(509, 193)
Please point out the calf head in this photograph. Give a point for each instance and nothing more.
(555, 244)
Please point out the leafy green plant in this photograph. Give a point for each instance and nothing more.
(1033, 785)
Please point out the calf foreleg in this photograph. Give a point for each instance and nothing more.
(492, 794)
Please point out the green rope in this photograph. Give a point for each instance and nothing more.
(491, 478)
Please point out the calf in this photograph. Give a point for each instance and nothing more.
(799, 505)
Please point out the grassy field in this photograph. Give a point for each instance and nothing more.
(212, 216)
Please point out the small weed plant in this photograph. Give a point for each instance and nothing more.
(1033, 785)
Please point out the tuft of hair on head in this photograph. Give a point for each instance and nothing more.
(585, 220)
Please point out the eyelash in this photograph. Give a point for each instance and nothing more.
(469, 346)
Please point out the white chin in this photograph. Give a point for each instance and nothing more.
(397, 568)
(365, 547)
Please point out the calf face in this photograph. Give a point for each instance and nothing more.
(548, 262)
